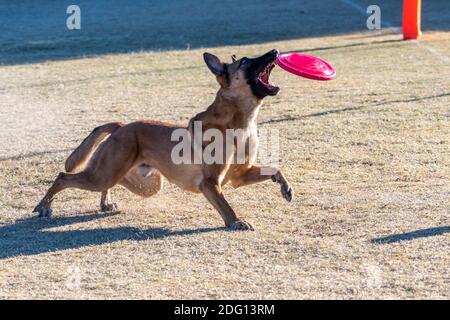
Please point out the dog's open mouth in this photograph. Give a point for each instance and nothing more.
(264, 79)
(258, 72)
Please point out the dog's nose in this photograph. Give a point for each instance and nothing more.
(275, 52)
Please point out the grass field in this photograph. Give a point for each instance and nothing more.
(367, 154)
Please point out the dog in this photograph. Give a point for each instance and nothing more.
(138, 155)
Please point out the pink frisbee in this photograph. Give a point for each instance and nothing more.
(306, 66)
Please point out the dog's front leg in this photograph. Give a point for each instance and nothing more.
(213, 192)
(256, 174)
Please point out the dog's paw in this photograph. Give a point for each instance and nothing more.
(241, 225)
(286, 189)
(287, 192)
(43, 212)
(110, 207)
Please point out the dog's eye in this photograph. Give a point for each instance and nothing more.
(244, 61)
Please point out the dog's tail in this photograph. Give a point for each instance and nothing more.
(84, 151)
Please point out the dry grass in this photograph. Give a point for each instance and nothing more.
(367, 155)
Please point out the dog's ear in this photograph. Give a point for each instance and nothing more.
(214, 63)
(233, 58)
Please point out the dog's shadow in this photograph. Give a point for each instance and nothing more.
(32, 236)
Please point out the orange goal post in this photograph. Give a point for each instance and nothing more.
(411, 19)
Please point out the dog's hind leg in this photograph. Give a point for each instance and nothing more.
(106, 205)
(110, 164)
(144, 186)
(86, 180)
(81, 155)
(62, 181)
(144, 183)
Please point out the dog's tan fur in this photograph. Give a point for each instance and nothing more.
(138, 155)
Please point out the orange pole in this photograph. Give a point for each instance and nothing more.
(411, 19)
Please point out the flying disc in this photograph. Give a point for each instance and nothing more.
(306, 66)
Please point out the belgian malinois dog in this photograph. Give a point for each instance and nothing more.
(138, 155)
